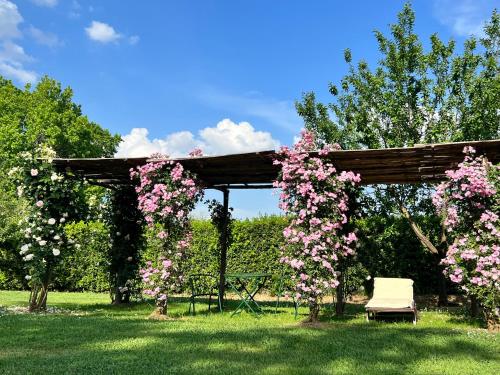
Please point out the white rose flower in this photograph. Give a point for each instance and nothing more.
(57, 237)
(42, 243)
(13, 171)
(51, 221)
(56, 252)
(28, 257)
(24, 249)
(65, 214)
(62, 220)
(34, 172)
(54, 177)
(27, 277)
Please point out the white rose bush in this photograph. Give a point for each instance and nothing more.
(50, 198)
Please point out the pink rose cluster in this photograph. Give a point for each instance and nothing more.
(167, 193)
(315, 196)
(468, 201)
(156, 280)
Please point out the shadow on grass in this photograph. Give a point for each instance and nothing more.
(128, 343)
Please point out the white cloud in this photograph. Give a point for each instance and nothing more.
(19, 74)
(43, 37)
(102, 32)
(280, 113)
(10, 18)
(225, 138)
(12, 56)
(75, 9)
(134, 39)
(230, 138)
(464, 17)
(45, 3)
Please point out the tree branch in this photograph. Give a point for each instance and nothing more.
(424, 240)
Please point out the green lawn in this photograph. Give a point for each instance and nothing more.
(89, 336)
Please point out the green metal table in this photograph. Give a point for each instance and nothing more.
(239, 283)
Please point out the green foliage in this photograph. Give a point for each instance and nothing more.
(388, 248)
(86, 268)
(48, 114)
(28, 117)
(125, 223)
(413, 96)
(11, 264)
(202, 257)
(256, 245)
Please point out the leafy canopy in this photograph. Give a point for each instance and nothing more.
(413, 96)
(48, 114)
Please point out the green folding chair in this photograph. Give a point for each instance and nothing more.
(203, 285)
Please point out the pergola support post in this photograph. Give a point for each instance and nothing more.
(223, 247)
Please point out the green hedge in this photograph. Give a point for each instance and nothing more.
(387, 247)
(86, 269)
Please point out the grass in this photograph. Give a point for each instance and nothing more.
(87, 335)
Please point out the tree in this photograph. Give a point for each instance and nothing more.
(48, 114)
(413, 97)
(43, 114)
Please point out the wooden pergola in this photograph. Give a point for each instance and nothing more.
(421, 163)
(408, 165)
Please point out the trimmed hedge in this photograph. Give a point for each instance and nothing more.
(387, 247)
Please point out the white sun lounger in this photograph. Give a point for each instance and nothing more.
(392, 295)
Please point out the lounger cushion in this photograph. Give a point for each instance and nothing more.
(391, 293)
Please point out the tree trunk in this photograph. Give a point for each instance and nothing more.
(474, 306)
(313, 313)
(442, 289)
(339, 297)
(426, 242)
(38, 297)
(163, 308)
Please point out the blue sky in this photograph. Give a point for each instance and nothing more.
(223, 75)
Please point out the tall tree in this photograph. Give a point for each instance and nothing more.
(29, 116)
(48, 114)
(411, 97)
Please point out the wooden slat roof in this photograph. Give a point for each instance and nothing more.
(422, 163)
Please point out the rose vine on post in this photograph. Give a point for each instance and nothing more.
(50, 198)
(316, 198)
(469, 202)
(167, 193)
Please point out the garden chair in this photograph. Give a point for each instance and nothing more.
(203, 285)
(392, 295)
